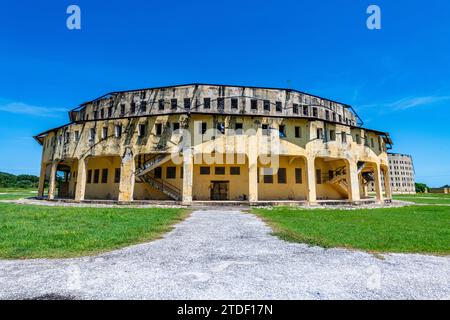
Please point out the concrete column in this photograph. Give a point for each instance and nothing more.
(387, 184)
(188, 176)
(127, 178)
(353, 181)
(366, 191)
(80, 188)
(52, 181)
(252, 155)
(378, 188)
(311, 180)
(42, 180)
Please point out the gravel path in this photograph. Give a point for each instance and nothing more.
(227, 254)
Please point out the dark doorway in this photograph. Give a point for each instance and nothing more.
(219, 190)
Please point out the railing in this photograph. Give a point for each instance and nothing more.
(150, 163)
(164, 187)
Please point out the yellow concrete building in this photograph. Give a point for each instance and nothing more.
(202, 142)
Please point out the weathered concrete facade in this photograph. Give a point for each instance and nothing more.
(212, 142)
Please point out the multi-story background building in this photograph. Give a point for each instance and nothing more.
(202, 142)
(401, 171)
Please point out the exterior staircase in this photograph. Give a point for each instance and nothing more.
(338, 181)
(152, 164)
(143, 175)
(166, 188)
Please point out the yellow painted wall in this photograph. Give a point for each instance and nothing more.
(285, 191)
(104, 191)
(238, 184)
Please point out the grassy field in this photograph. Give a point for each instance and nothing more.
(55, 232)
(419, 229)
(427, 198)
(13, 194)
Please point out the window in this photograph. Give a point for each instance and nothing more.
(254, 104)
(298, 132)
(175, 126)
(281, 175)
(117, 175)
(305, 110)
(171, 172)
(268, 175)
(204, 170)
(315, 112)
(118, 131)
(67, 137)
(161, 104)
(278, 106)
(122, 108)
(234, 103)
(334, 117)
(238, 128)
(207, 103)
(340, 118)
(105, 176)
(344, 137)
(187, 103)
(332, 135)
(110, 109)
(220, 103)
(298, 176)
(265, 129)
(141, 131)
(295, 108)
(95, 115)
(330, 175)
(327, 114)
(92, 133)
(318, 176)
(203, 128)
(173, 103)
(266, 105)
(219, 170)
(102, 114)
(221, 127)
(104, 132)
(358, 139)
(282, 131)
(89, 176)
(372, 143)
(96, 175)
(158, 127)
(132, 108)
(319, 133)
(235, 171)
(158, 173)
(143, 106)
(77, 136)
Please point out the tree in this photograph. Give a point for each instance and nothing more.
(421, 187)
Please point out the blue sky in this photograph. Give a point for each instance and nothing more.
(397, 78)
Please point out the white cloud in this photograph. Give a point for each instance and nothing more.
(27, 109)
(406, 103)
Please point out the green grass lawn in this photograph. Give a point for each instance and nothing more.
(420, 229)
(13, 194)
(56, 232)
(427, 198)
